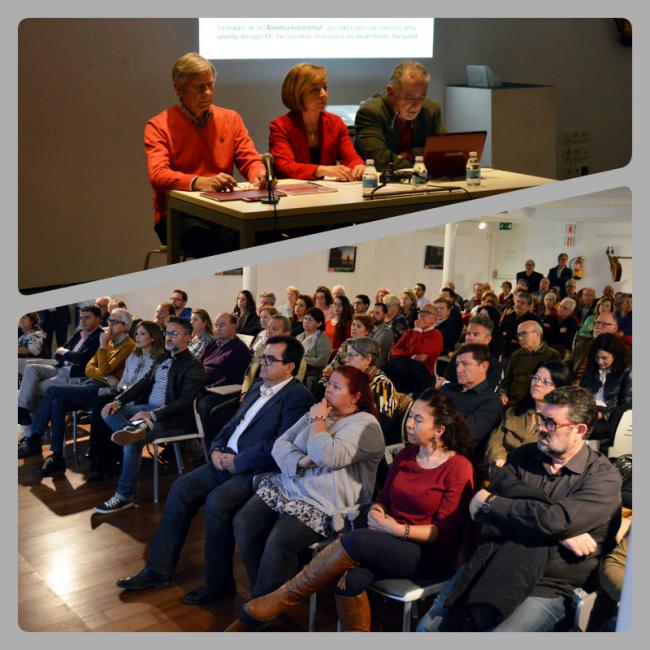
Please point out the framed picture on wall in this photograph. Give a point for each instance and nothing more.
(342, 259)
(433, 256)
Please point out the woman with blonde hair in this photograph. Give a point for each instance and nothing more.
(309, 142)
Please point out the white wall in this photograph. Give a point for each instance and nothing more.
(87, 87)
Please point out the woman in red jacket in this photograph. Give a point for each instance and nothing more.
(415, 527)
(307, 142)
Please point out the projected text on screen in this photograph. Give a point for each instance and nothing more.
(323, 38)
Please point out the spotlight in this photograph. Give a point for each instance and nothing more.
(482, 225)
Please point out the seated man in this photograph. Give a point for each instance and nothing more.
(381, 332)
(423, 343)
(392, 127)
(522, 310)
(104, 369)
(472, 395)
(178, 300)
(162, 313)
(546, 519)
(194, 146)
(241, 450)
(158, 405)
(361, 303)
(479, 330)
(71, 360)
(475, 300)
(395, 319)
(225, 361)
(534, 350)
(565, 327)
(420, 290)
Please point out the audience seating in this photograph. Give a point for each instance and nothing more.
(623, 437)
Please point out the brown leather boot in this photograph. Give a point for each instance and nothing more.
(330, 563)
(353, 612)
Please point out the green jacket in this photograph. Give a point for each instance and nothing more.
(378, 133)
(516, 380)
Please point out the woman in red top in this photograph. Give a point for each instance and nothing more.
(307, 142)
(414, 528)
(338, 328)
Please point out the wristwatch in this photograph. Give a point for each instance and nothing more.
(486, 506)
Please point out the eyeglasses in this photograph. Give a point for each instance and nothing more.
(603, 323)
(540, 380)
(173, 334)
(338, 304)
(550, 425)
(522, 335)
(426, 312)
(268, 360)
(112, 321)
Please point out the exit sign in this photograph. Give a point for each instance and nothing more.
(505, 225)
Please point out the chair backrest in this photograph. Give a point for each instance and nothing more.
(246, 338)
(623, 436)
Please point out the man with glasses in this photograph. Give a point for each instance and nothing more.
(533, 351)
(522, 311)
(178, 300)
(104, 369)
(241, 450)
(158, 405)
(392, 127)
(71, 359)
(194, 145)
(553, 511)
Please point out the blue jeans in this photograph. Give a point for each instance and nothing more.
(59, 400)
(132, 454)
(223, 494)
(534, 614)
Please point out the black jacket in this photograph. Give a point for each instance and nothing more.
(618, 388)
(186, 379)
(82, 356)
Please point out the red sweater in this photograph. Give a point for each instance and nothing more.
(419, 342)
(330, 330)
(178, 150)
(416, 496)
(288, 144)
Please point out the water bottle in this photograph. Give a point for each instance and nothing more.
(473, 170)
(419, 176)
(370, 178)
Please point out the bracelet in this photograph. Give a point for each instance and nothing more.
(407, 529)
(314, 418)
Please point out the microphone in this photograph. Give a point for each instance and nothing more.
(267, 161)
(270, 198)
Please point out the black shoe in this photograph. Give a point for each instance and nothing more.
(24, 416)
(131, 434)
(29, 447)
(52, 465)
(146, 579)
(205, 595)
(114, 504)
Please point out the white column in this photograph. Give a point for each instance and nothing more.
(449, 255)
(248, 279)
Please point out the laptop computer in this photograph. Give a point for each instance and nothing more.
(445, 155)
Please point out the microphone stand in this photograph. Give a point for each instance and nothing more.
(270, 198)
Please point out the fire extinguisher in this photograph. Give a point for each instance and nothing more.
(577, 265)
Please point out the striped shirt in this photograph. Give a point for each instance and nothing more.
(159, 388)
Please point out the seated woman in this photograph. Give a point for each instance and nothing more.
(31, 337)
(318, 348)
(308, 142)
(414, 528)
(338, 327)
(202, 332)
(610, 381)
(604, 305)
(362, 325)
(149, 345)
(323, 299)
(519, 425)
(259, 342)
(409, 305)
(303, 303)
(328, 460)
(248, 322)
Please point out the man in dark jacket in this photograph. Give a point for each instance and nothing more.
(576, 523)
(240, 451)
(157, 406)
(70, 367)
(393, 126)
(559, 275)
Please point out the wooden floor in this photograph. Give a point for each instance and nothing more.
(70, 559)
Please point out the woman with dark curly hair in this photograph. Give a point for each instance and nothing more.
(323, 299)
(248, 322)
(338, 327)
(610, 382)
(414, 527)
(303, 303)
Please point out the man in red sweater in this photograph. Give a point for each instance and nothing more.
(422, 343)
(194, 146)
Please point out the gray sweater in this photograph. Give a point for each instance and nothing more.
(346, 460)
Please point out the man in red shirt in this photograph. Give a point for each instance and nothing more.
(194, 145)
